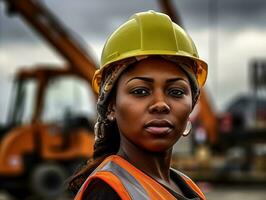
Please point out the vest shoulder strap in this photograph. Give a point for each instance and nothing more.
(191, 184)
(111, 180)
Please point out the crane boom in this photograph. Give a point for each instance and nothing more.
(53, 31)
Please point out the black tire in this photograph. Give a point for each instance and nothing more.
(47, 180)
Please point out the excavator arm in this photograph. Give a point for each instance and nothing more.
(53, 31)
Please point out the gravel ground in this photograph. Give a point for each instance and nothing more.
(233, 192)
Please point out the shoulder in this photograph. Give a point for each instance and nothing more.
(98, 189)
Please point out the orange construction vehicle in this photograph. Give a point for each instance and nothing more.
(47, 134)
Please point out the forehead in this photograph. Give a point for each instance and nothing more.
(154, 67)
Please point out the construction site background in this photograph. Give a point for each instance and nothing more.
(48, 53)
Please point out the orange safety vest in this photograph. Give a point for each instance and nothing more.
(130, 183)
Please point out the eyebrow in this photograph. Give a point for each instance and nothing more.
(151, 80)
(141, 78)
(175, 79)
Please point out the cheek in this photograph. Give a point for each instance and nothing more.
(182, 112)
(125, 111)
(127, 114)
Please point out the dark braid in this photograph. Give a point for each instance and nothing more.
(103, 147)
(109, 144)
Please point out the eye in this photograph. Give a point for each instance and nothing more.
(175, 92)
(140, 92)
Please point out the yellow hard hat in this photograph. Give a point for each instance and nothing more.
(149, 33)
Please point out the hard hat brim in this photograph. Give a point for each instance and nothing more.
(201, 74)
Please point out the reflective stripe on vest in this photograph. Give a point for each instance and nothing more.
(128, 182)
(133, 187)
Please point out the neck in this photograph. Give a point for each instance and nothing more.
(154, 164)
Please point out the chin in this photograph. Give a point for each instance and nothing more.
(161, 145)
(159, 148)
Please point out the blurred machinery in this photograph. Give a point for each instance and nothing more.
(239, 153)
(243, 126)
(39, 151)
(246, 115)
(37, 155)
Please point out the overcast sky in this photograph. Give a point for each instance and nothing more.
(228, 34)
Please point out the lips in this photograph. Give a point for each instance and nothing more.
(159, 127)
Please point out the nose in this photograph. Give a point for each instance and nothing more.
(159, 105)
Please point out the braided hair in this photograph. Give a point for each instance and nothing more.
(107, 140)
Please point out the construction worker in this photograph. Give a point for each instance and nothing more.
(148, 84)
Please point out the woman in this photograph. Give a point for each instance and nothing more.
(148, 84)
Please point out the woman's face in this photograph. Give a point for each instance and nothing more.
(152, 104)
